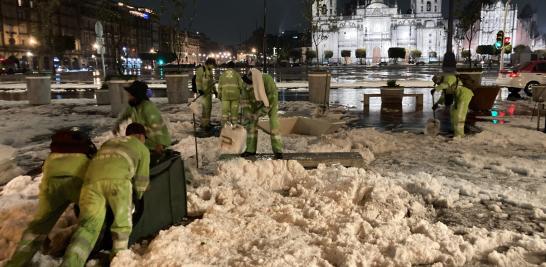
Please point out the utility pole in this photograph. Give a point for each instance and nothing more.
(450, 63)
(264, 42)
(506, 9)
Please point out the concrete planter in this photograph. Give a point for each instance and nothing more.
(119, 98)
(103, 97)
(39, 90)
(484, 98)
(392, 95)
(177, 88)
(539, 93)
(319, 87)
(471, 78)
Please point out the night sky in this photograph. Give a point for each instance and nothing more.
(232, 21)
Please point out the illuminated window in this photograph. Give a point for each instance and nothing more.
(20, 2)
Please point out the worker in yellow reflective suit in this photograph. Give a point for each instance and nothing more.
(451, 84)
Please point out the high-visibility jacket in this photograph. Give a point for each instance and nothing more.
(148, 115)
(204, 80)
(230, 85)
(121, 158)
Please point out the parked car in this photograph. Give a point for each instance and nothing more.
(524, 76)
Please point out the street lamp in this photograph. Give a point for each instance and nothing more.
(253, 50)
(32, 41)
(30, 61)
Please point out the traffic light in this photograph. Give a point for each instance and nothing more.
(500, 40)
(507, 41)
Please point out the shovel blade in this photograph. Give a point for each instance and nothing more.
(432, 127)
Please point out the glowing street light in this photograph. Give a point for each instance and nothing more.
(29, 54)
(152, 50)
(32, 41)
(254, 50)
(96, 46)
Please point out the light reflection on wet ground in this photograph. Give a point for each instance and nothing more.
(407, 117)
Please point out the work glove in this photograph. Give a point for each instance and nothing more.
(435, 107)
(432, 91)
(201, 92)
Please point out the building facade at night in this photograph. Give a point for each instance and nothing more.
(376, 27)
(128, 31)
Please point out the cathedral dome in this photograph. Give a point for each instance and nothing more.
(377, 4)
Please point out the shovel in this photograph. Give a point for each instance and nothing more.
(195, 135)
(432, 127)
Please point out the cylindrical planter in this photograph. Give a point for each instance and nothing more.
(319, 87)
(392, 95)
(39, 90)
(103, 97)
(119, 98)
(484, 98)
(539, 93)
(471, 78)
(177, 88)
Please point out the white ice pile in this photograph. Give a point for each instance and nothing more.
(275, 213)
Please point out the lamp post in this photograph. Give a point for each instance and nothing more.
(501, 65)
(264, 42)
(30, 62)
(450, 63)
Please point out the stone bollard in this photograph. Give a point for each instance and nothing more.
(39, 90)
(177, 88)
(118, 96)
(319, 87)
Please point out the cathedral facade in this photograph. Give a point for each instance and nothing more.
(376, 27)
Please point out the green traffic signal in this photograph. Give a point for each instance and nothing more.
(498, 45)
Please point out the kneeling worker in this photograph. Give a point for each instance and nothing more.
(121, 167)
(260, 98)
(64, 168)
(451, 84)
(141, 110)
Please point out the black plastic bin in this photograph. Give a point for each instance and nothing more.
(164, 203)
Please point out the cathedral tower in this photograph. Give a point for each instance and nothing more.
(426, 6)
(326, 8)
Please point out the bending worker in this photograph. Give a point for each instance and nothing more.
(451, 84)
(230, 86)
(204, 80)
(141, 110)
(260, 98)
(121, 167)
(63, 171)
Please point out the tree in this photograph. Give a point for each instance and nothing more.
(319, 29)
(415, 54)
(469, 21)
(465, 54)
(486, 50)
(360, 54)
(328, 54)
(295, 54)
(541, 53)
(522, 49)
(310, 55)
(346, 54)
(396, 53)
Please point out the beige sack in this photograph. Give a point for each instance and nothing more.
(259, 87)
(196, 107)
(233, 139)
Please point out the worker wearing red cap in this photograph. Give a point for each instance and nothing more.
(121, 167)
